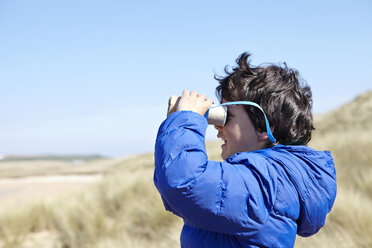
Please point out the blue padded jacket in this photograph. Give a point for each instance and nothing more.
(252, 199)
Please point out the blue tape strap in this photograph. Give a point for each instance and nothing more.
(268, 130)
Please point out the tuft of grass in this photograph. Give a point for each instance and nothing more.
(17, 224)
(123, 206)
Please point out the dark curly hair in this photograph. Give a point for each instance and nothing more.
(280, 91)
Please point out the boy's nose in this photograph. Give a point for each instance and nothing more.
(218, 127)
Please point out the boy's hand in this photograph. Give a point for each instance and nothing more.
(194, 102)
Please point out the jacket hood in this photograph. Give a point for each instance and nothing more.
(314, 176)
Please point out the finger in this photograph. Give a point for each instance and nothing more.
(194, 93)
(209, 101)
(202, 96)
(185, 93)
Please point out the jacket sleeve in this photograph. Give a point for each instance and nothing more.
(215, 196)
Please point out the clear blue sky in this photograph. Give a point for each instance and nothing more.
(95, 76)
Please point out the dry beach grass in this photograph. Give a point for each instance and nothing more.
(125, 210)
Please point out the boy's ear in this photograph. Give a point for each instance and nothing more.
(262, 136)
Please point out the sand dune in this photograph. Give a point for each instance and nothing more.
(16, 191)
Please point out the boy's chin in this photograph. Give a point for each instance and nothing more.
(224, 155)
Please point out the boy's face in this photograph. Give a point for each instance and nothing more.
(238, 134)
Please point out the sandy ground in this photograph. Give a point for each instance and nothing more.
(21, 191)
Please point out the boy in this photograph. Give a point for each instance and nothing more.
(265, 191)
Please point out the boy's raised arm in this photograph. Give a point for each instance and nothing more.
(204, 193)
